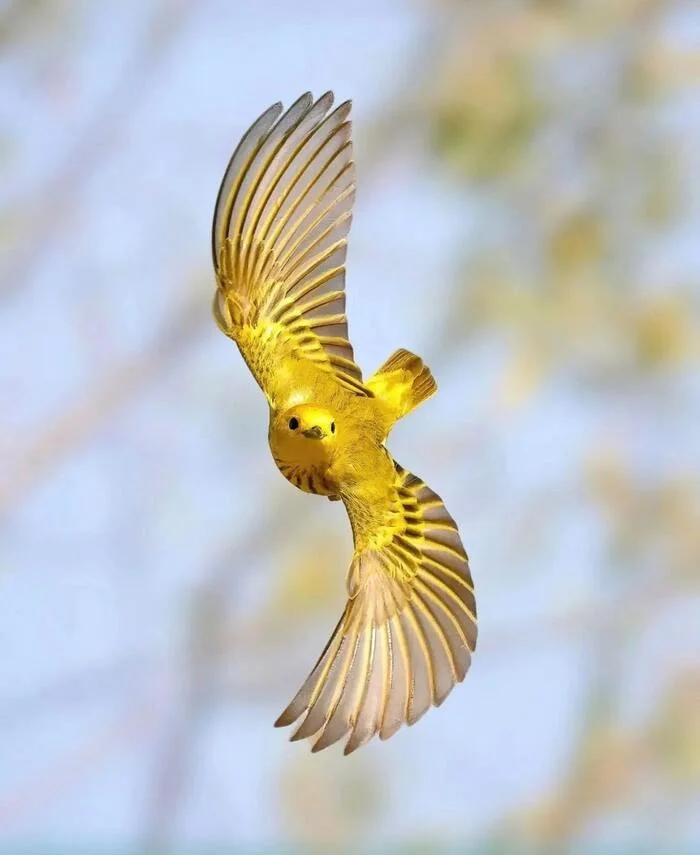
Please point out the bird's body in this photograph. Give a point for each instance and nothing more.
(279, 243)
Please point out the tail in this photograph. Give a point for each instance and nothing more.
(402, 383)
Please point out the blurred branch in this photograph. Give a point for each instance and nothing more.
(607, 762)
(207, 644)
(71, 688)
(70, 431)
(58, 779)
(48, 214)
(208, 625)
(204, 687)
(170, 779)
(16, 16)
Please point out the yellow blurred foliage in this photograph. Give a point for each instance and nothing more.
(309, 576)
(482, 104)
(577, 242)
(664, 333)
(675, 733)
(521, 378)
(604, 773)
(660, 520)
(326, 803)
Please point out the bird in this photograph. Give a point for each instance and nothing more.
(279, 240)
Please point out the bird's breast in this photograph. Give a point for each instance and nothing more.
(309, 478)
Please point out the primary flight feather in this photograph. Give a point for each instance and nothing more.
(279, 241)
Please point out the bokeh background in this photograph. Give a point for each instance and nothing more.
(528, 220)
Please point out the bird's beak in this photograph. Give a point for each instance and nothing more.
(314, 432)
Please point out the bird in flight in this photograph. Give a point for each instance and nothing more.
(279, 240)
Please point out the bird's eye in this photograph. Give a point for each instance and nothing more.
(332, 427)
(293, 423)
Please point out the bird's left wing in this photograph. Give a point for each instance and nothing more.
(279, 240)
(409, 627)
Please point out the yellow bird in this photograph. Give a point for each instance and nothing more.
(279, 240)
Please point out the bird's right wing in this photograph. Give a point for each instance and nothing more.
(279, 240)
(409, 627)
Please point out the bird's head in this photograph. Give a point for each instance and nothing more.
(305, 432)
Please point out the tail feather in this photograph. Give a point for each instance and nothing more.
(403, 382)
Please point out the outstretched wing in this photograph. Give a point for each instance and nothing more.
(279, 240)
(408, 630)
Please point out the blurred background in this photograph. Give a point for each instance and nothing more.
(528, 220)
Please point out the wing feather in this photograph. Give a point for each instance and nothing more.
(409, 627)
(235, 171)
(279, 239)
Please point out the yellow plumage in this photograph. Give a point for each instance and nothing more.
(279, 242)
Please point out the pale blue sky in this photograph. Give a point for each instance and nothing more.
(100, 559)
